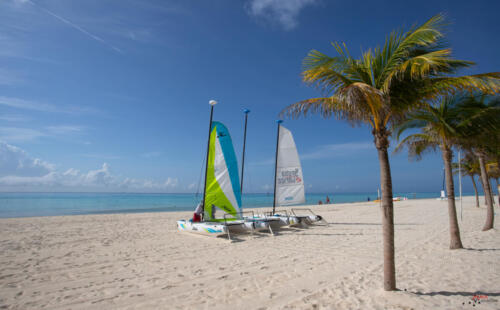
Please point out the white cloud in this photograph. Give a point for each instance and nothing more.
(337, 150)
(18, 103)
(73, 25)
(101, 156)
(326, 151)
(283, 11)
(26, 104)
(14, 118)
(64, 129)
(14, 161)
(14, 134)
(20, 171)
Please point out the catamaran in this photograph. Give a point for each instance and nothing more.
(222, 192)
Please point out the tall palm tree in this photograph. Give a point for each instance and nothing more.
(379, 88)
(469, 166)
(440, 127)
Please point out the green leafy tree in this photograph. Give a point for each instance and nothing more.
(379, 88)
(440, 127)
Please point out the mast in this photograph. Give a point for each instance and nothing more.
(276, 164)
(246, 111)
(212, 104)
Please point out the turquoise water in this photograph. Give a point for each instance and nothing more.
(48, 204)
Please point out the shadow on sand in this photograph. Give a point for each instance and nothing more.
(400, 224)
(480, 250)
(465, 294)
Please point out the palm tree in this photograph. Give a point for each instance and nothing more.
(469, 166)
(493, 169)
(379, 88)
(440, 127)
(483, 137)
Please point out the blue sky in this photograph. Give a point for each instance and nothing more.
(103, 95)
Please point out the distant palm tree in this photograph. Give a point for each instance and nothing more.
(469, 166)
(495, 154)
(483, 137)
(493, 169)
(379, 88)
(441, 126)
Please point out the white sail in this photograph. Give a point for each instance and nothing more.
(289, 180)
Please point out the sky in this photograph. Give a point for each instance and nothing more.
(102, 95)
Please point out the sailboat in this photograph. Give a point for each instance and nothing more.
(221, 193)
(288, 180)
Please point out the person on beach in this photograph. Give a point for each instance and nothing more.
(198, 212)
(327, 201)
(320, 202)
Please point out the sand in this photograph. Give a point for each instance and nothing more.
(140, 261)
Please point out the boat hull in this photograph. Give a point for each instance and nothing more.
(204, 228)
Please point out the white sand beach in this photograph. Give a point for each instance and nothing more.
(140, 261)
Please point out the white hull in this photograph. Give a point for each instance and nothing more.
(310, 218)
(204, 228)
(258, 223)
(313, 219)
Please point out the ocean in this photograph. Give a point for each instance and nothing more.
(50, 204)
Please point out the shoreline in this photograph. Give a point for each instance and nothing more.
(255, 208)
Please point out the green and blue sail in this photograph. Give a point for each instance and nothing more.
(223, 184)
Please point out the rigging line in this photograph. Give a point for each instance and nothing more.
(199, 180)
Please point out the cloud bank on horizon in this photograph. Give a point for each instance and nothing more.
(19, 171)
(284, 12)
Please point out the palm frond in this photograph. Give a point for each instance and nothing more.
(417, 144)
(325, 106)
(488, 83)
(399, 46)
(424, 65)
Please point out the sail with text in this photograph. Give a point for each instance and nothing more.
(289, 180)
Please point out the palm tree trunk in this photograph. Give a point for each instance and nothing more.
(455, 242)
(482, 185)
(382, 143)
(492, 191)
(475, 191)
(498, 190)
(487, 193)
